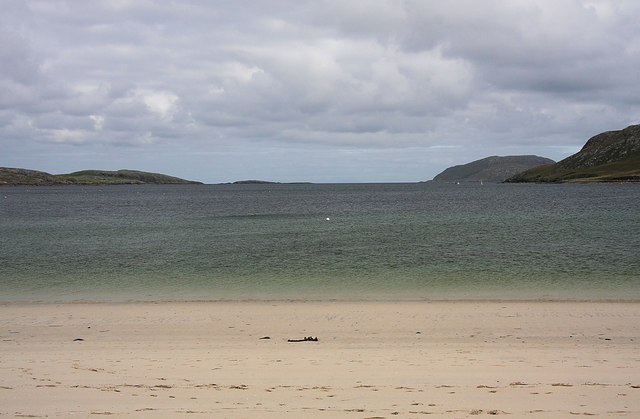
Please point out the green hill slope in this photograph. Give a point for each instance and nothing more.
(613, 156)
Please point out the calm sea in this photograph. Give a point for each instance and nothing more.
(341, 241)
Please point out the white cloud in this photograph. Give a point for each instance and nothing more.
(66, 135)
(162, 103)
(98, 121)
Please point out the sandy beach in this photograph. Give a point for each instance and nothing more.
(372, 359)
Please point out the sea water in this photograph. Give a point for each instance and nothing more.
(321, 241)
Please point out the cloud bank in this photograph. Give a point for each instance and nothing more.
(325, 91)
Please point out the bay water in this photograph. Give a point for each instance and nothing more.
(320, 242)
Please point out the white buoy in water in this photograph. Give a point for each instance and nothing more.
(328, 219)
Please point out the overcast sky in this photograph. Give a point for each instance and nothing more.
(321, 91)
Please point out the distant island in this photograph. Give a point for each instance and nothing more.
(491, 169)
(264, 182)
(613, 156)
(254, 182)
(19, 177)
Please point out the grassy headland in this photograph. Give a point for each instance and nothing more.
(613, 156)
(18, 177)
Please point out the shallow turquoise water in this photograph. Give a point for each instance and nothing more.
(381, 241)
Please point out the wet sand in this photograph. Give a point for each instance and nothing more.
(372, 359)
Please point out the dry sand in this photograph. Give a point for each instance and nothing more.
(373, 359)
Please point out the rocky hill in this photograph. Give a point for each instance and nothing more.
(491, 169)
(613, 156)
(17, 177)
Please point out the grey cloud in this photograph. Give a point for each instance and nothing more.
(18, 64)
(277, 78)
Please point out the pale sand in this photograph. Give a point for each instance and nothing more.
(396, 359)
